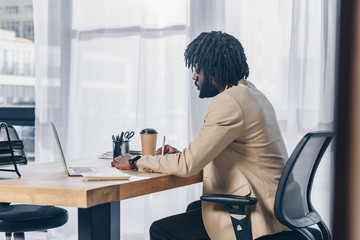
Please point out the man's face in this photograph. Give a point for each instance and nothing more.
(206, 89)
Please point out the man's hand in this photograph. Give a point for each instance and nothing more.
(122, 162)
(167, 150)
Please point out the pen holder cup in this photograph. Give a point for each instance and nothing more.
(120, 148)
(125, 147)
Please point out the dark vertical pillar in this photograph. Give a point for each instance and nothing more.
(99, 222)
(346, 215)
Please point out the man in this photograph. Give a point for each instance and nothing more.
(239, 147)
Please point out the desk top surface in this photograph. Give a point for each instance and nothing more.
(48, 184)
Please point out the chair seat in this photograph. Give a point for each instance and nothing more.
(25, 218)
(292, 235)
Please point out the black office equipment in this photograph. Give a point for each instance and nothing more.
(293, 207)
(11, 148)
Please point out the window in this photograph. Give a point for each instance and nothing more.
(12, 10)
(28, 9)
(12, 26)
(17, 78)
(28, 30)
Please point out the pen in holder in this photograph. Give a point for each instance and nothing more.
(117, 148)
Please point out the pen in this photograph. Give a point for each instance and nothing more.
(121, 138)
(163, 148)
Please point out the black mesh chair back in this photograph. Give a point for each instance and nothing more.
(293, 207)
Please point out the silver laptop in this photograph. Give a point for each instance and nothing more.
(83, 171)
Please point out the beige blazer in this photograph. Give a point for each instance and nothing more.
(241, 151)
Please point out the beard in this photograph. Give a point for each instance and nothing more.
(207, 90)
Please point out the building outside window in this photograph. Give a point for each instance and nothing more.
(17, 74)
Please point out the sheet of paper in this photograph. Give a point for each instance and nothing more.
(114, 174)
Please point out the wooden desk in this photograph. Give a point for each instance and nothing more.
(98, 202)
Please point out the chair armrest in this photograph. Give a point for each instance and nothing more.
(238, 216)
(229, 199)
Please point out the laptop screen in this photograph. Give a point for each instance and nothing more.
(59, 146)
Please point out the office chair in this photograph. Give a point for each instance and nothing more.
(20, 218)
(293, 207)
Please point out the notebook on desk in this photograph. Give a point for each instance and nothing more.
(89, 173)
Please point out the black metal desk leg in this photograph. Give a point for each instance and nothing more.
(99, 222)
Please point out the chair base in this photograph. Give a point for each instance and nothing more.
(17, 236)
(292, 235)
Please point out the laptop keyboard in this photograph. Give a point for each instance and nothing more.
(82, 170)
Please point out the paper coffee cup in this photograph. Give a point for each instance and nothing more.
(148, 141)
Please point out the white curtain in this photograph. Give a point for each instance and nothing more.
(106, 67)
(290, 46)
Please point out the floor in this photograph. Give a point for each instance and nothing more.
(30, 236)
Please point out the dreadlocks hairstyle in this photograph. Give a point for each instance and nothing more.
(220, 51)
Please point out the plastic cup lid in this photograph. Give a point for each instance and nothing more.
(148, 131)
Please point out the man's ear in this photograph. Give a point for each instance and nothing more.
(216, 80)
(213, 72)
(214, 77)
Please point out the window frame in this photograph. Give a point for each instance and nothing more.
(18, 116)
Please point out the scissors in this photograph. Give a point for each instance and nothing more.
(128, 135)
